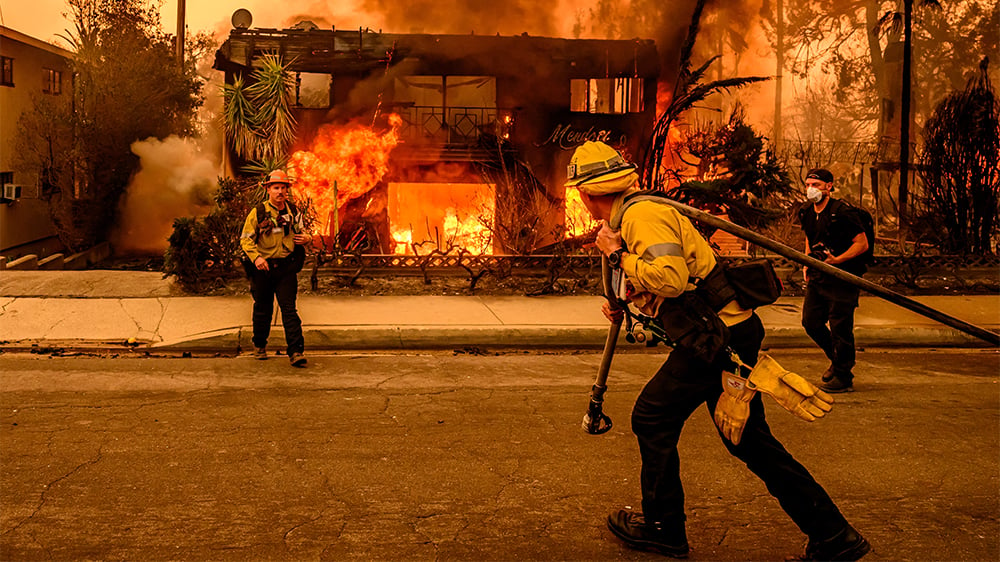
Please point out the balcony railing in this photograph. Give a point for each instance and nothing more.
(452, 125)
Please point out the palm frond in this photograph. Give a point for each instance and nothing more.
(264, 165)
(240, 120)
(688, 46)
(271, 94)
(702, 91)
(699, 73)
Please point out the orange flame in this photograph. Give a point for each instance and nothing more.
(355, 157)
(578, 218)
(442, 216)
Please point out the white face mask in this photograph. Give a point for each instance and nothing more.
(814, 195)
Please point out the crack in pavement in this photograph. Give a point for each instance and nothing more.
(121, 304)
(3, 307)
(284, 537)
(163, 313)
(48, 487)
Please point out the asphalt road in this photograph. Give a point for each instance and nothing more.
(463, 457)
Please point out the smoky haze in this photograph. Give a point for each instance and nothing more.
(176, 179)
(483, 17)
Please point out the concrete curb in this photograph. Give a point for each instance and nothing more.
(415, 338)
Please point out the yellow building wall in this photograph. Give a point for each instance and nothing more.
(26, 221)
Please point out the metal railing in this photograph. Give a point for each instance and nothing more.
(455, 264)
(451, 125)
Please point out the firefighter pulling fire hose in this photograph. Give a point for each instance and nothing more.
(595, 421)
(668, 272)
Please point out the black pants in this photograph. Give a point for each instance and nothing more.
(681, 385)
(278, 282)
(834, 302)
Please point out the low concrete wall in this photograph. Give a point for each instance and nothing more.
(53, 262)
(29, 261)
(80, 260)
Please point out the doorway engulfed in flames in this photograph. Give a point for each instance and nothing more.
(365, 203)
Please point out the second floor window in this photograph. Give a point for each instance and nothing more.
(51, 81)
(606, 95)
(6, 71)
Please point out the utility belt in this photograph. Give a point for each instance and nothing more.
(692, 321)
(292, 263)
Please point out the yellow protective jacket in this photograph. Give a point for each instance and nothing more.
(666, 255)
(272, 242)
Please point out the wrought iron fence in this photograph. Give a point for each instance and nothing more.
(455, 264)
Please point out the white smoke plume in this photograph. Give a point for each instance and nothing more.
(177, 178)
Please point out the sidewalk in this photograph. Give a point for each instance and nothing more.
(124, 309)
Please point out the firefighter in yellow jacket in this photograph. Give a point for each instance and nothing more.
(273, 242)
(662, 255)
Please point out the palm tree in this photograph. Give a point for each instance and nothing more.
(258, 117)
(688, 90)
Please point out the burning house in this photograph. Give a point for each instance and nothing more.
(449, 140)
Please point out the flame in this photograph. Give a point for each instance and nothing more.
(353, 156)
(441, 216)
(578, 218)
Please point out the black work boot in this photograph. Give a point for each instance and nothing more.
(828, 374)
(837, 385)
(845, 545)
(663, 537)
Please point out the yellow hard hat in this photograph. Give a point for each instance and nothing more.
(598, 169)
(277, 176)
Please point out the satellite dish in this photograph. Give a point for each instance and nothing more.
(242, 18)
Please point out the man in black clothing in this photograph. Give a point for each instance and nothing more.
(836, 236)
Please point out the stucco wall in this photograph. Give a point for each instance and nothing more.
(27, 219)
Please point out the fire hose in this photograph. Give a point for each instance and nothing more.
(596, 422)
(873, 288)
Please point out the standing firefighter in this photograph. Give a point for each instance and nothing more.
(661, 254)
(274, 243)
(835, 234)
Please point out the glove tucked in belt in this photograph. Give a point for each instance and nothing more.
(733, 408)
(789, 390)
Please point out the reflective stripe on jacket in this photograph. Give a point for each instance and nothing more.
(666, 255)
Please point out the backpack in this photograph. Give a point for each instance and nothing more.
(867, 223)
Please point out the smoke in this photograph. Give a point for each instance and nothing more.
(176, 179)
(483, 17)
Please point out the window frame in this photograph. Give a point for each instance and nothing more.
(6, 71)
(51, 81)
(607, 96)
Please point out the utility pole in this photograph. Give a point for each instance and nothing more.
(780, 53)
(904, 125)
(180, 33)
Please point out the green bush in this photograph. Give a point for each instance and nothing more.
(205, 251)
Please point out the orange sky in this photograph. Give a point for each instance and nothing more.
(43, 19)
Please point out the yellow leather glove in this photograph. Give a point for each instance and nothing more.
(733, 409)
(789, 390)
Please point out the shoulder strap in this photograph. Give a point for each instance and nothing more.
(657, 196)
(261, 212)
(836, 205)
